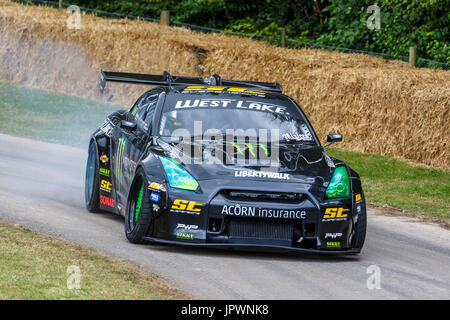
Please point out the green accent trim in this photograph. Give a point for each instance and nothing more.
(250, 148)
(139, 203)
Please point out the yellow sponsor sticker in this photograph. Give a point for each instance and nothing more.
(105, 185)
(358, 197)
(219, 88)
(335, 214)
(186, 206)
(155, 186)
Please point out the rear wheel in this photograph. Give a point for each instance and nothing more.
(138, 217)
(91, 186)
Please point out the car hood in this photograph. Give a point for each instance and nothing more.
(295, 163)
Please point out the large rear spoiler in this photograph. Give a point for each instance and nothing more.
(166, 79)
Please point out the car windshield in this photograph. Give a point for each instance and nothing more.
(275, 119)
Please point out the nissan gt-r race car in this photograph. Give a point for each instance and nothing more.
(222, 163)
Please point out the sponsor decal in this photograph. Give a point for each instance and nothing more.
(105, 185)
(185, 206)
(261, 174)
(241, 148)
(334, 244)
(156, 208)
(104, 159)
(225, 89)
(358, 198)
(333, 235)
(107, 128)
(306, 136)
(104, 172)
(186, 236)
(106, 201)
(335, 214)
(249, 211)
(154, 197)
(230, 103)
(155, 186)
(187, 226)
(358, 209)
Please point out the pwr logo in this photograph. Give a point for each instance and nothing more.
(106, 201)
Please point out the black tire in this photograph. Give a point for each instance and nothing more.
(138, 217)
(361, 227)
(91, 185)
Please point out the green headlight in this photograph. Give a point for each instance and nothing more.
(178, 176)
(339, 186)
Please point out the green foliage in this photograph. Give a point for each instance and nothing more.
(404, 23)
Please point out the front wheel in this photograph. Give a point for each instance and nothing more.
(138, 217)
(91, 185)
(361, 227)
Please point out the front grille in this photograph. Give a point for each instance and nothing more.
(260, 229)
(244, 195)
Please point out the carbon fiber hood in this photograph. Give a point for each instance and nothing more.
(293, 163)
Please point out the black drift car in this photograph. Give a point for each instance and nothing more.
(222, 163)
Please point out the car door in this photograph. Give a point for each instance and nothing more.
(131, 143)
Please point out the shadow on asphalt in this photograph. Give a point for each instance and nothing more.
(254, 253)
(239, 253)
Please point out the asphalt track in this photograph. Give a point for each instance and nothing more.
(42, 185)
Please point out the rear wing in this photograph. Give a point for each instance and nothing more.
(166, 79)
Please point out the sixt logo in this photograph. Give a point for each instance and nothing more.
(335, 214)
(187, 236)
(333, 244)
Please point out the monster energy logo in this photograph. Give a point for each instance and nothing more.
(250, 147)
(119, 157)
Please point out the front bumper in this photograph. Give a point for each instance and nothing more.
(215, 220)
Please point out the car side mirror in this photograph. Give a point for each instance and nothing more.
(127, 125)
(331, 138)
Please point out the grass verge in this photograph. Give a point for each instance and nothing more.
(50, 116)
(70, 120)
(398, 184)
(35, 266)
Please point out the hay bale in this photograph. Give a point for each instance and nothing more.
(380, 106)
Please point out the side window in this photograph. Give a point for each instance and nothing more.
(140, 107)
(152, 100)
